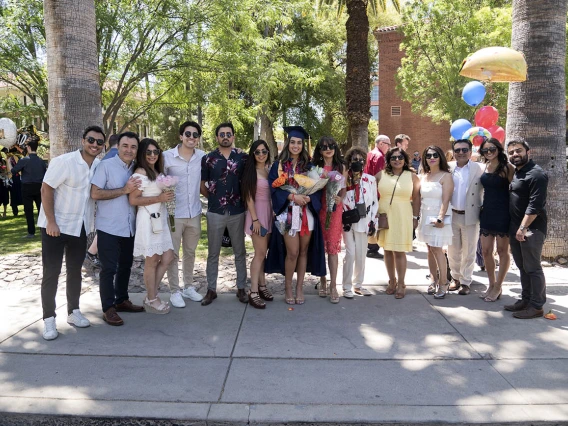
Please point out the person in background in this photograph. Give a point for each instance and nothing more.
(416, 161)
(112, 147)
(402, 141)
(16, 188)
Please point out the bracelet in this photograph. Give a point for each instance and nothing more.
(256, 220)
(416, 217)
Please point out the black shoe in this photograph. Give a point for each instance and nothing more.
(374, 255)
(454, 285)
(528, 313)
(519, 305)
(464, 290)
(242, 295)
(29, 236)
(209, 297)
(93, 259)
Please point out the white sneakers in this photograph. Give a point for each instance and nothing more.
(77, 319)
(49, 329)
(176, 300)
(191, 294)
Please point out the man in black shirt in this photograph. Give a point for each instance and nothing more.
(33, 170)
(527, 206)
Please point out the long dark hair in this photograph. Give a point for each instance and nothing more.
(248, 181)
(336, 162)
(390, 152)
(303, 158)
(142, 162)
(501, 169)
(443, 162)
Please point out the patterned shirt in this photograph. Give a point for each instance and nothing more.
(223, 177)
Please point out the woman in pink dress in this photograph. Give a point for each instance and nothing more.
(326, 155)
(258, 220)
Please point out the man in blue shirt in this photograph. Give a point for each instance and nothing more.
(112, 147)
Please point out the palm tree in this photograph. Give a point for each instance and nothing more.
(537, 107)
(358, 72)
(73, 72)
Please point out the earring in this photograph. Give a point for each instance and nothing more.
(321, 157)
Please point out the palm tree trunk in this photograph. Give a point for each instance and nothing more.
(537, 107)
(73, 72)
(358, 81)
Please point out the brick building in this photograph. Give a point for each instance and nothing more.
(395, 116)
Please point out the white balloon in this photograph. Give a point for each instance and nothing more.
(8, 132)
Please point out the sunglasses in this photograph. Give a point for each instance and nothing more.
(225, 135)
(328, 147)
(152, 152)
(260, 152)
(189, 134)
(463, 150)
(434, 155)
(486, 150)
(416, 154)
(397, 157)
(92, 140)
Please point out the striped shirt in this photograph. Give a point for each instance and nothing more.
(70, 176)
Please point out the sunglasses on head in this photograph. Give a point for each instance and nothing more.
(92, 140)
(491, 149)
(463, 150)
(152, 152)
(397, 157)
(330, 147)
(260, 152)
(225, 135)
(189, 134)
(434, 155)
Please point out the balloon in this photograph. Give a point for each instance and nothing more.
(497, 64)
(486, 117)
(476, 135)
(8, 132)
(497, 132)
(459, 127)
(473, 93)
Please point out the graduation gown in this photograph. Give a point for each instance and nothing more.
(277, 248)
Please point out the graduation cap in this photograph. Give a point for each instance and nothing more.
(296, 132)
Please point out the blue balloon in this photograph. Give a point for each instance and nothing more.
(473, 93)
(459, 127)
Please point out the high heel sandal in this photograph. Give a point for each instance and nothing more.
(161, 309)
(484, 294)
(289, 300)
(255, 300)
(333, 296)
(400, 291)
(265, 294)
(440, 294)
(391, 288)
(322, 290)
(490, 299)
(432, 288)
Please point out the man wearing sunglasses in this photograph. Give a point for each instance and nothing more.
(184, 161)
(221, 173)
(466, 206)
(65, 218)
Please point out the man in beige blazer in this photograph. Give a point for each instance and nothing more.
(466, 205)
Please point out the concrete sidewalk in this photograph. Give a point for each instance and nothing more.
(368, 360)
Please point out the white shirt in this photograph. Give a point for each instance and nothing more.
(70, 176)
(461, 179)
(188, 203)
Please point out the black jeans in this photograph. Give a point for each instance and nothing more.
(115, 254)
(527, 257)
(52, 250)
(31, 193)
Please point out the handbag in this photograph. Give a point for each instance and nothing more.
(349, 217)
(432, 219)
(383, 218)
(155, 221)
(362, 209)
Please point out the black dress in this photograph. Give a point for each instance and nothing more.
(494, 219)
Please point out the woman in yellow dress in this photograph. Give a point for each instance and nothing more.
(399, 189)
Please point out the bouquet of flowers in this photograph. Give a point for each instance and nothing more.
(334, 185)
(168, 184)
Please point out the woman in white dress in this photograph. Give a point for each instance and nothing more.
(152, 239)
(436, 188)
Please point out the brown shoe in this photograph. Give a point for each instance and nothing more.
(464, 290)
(454, 285)
(255, 300)
(529, 312)
(128, 306)
(519, 305)
(209, 297)
(112, 318)
(242, 295)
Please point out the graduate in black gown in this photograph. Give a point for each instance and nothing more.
(296, 242)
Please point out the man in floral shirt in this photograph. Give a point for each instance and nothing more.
(221, 172)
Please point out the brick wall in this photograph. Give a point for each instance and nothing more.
(422, 130)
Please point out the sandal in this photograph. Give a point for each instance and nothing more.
(432, 287)
(493, 299)
(161, 309)
(264, 293)
(334, 296)
(255, 300)
(400, 291)
(322, 290)
(391, 288)
(299, 300)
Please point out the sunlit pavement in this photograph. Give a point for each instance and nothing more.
(367, 360)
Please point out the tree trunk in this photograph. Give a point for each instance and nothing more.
(73, 72)
(267, 134)
(537, 107)
(358, 81)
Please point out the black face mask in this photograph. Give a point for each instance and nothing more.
(357, 167)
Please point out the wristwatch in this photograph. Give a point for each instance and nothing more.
(439, 220)
(522, 228)
(416, 217)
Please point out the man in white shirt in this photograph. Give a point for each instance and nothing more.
(65, 218)
(466, 206)
(184, 161)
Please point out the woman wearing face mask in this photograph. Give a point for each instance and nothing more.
(436, 188)
(400, 200)
(360, 189)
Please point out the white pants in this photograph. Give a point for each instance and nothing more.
(461, 253)
(354, 260)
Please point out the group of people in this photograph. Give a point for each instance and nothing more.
(380, 202)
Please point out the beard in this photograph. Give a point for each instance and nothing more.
(225, 143)
(520, 161)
